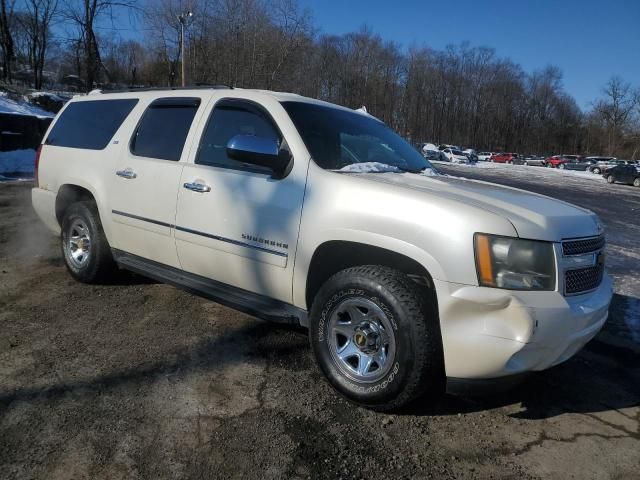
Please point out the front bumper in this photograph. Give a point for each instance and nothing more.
(490, 333)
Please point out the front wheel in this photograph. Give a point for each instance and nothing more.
(636, 182)
(376, 337)
(85, 249)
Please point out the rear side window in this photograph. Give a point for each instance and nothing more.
(163, 128)
(231, 118)
(90, 124)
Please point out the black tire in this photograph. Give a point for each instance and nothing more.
(99, 264)
(595, 170)
(418, 362)
(561, 166)
(636, 182)
(611, 179)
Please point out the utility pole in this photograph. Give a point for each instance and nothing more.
(183, 18)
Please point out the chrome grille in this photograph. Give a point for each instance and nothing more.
(583, 279)
(582, 246)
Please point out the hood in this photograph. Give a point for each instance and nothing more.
(534, 216)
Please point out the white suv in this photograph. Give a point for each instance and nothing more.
(305, 212)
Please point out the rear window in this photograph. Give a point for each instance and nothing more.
(90, 125)
(163, 129)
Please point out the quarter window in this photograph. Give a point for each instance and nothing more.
(90, 124)
(163, 129)
(228, 119)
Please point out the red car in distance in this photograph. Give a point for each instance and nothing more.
(503, 157)
(557, 160)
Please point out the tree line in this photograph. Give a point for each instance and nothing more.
(463, 95)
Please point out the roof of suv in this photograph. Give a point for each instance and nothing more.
(181, 91)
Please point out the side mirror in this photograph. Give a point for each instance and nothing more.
(260, 151)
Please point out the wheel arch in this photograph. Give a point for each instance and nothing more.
(68, 194)
(333, 256)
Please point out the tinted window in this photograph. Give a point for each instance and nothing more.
(328, 132)
(90, 124)
(163, 128)
(228, 119)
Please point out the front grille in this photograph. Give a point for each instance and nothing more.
(579, 247)
(583, 279)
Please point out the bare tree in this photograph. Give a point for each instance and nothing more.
(85, 14)
(36, 23)
(616, 110)
(6, 38)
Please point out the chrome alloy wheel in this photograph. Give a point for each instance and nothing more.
(78, 244)
(361, 340)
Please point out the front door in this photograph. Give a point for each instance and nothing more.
(235, 223)
(144, 185)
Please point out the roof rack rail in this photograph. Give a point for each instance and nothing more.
(156, 89)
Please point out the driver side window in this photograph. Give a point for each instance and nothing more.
(228, 119)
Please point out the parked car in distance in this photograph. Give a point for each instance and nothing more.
(484, 156)
(557, 160)
(442, 146)
(471, 155)
(530, 160)
(598, 164)
(455, 156)
(503, 157)
(430, 151)
(624, 173)
(405, 278)
(575, 164)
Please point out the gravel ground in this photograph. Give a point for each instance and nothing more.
(139, 380)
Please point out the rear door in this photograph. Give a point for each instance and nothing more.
(242, 227)
(144, 184)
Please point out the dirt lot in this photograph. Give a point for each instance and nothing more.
(140, 380)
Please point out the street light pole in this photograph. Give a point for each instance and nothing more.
(182, 18)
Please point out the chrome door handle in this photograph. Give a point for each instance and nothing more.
(197, 187)
(128, 173)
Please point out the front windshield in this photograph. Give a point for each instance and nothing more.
(457, 152)
(341, 140)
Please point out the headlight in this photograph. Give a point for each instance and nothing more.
(514, 264)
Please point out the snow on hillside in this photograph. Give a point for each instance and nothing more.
(17, 107)
(17, 161)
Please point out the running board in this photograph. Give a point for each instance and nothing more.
(256, 305)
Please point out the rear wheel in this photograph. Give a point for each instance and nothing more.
(376, 337)
(596, 170)
(636, 182)
(561, 166)
(84, 245)
(611, 179)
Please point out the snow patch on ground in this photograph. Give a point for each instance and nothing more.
(17, 161)
(52, 96)
(16, 107)
(533, 171)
